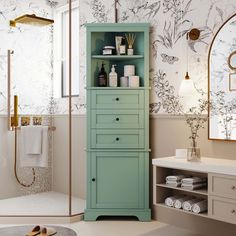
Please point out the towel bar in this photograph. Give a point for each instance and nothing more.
(51, 128)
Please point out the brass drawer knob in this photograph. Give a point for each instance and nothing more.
(233, 187)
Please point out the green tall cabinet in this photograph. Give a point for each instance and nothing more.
(117, 127)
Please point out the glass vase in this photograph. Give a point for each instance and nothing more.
(193, 153)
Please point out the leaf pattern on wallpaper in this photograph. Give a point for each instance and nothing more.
(98, 11)
(173, 28)
(51, 3)
(141, 10)
(220, 14)
(165, 92)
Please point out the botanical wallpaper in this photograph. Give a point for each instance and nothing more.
(170, 52)
(170, 20)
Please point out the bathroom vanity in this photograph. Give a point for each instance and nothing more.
(220, 191)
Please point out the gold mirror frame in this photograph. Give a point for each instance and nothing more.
(209, 77)
(232, 67)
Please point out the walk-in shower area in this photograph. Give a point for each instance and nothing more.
(42, 126)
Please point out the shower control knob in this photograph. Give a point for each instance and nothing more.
(93, 179)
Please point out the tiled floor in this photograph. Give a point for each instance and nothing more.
(46, 203)
(127, 228)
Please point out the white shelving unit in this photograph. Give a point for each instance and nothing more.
(220, 191)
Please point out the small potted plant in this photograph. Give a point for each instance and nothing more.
(130, 40)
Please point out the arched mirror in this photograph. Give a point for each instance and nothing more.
(222, 83)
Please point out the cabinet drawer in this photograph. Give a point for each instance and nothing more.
(222, 209)
(112, 119)
(117, 138)
(222, 185)
(117, 99)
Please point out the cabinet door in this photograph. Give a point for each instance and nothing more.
(117, 180)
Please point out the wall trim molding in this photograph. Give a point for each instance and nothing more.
(151, 116)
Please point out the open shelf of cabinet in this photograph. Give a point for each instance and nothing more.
(204, 214)
(161, 190)
(198, 191)
(117, 57)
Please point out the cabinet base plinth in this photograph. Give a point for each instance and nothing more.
(93, 214)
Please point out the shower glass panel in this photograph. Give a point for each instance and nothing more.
(43, 113)
(78, 158)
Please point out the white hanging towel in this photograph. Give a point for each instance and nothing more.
(33, 160)
(32, 139)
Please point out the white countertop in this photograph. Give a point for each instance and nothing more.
(206, 165)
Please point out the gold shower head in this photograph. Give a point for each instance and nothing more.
(31, 20)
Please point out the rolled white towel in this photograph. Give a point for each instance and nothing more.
(199, 207)
(193, 186)
(169, 201)
(174, 177)
(187, 205)
(193, 180)
(173, 183)
(179, 202)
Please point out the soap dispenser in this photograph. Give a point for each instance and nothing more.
(113, 77)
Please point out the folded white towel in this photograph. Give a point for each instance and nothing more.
(169, 201)
(199, 207)
(193, 186)
(174, 177)
(187, 205)
(193, 180)
(179, 202)
(33, 160)
(173, 183)
(32, 136)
